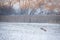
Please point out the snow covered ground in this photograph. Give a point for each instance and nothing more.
(29, 31)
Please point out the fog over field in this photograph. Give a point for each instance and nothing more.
(29, 19)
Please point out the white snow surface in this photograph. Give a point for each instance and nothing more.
(29, 31)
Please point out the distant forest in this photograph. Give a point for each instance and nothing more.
(29, 7)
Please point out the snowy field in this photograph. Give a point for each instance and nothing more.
(29, 31)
